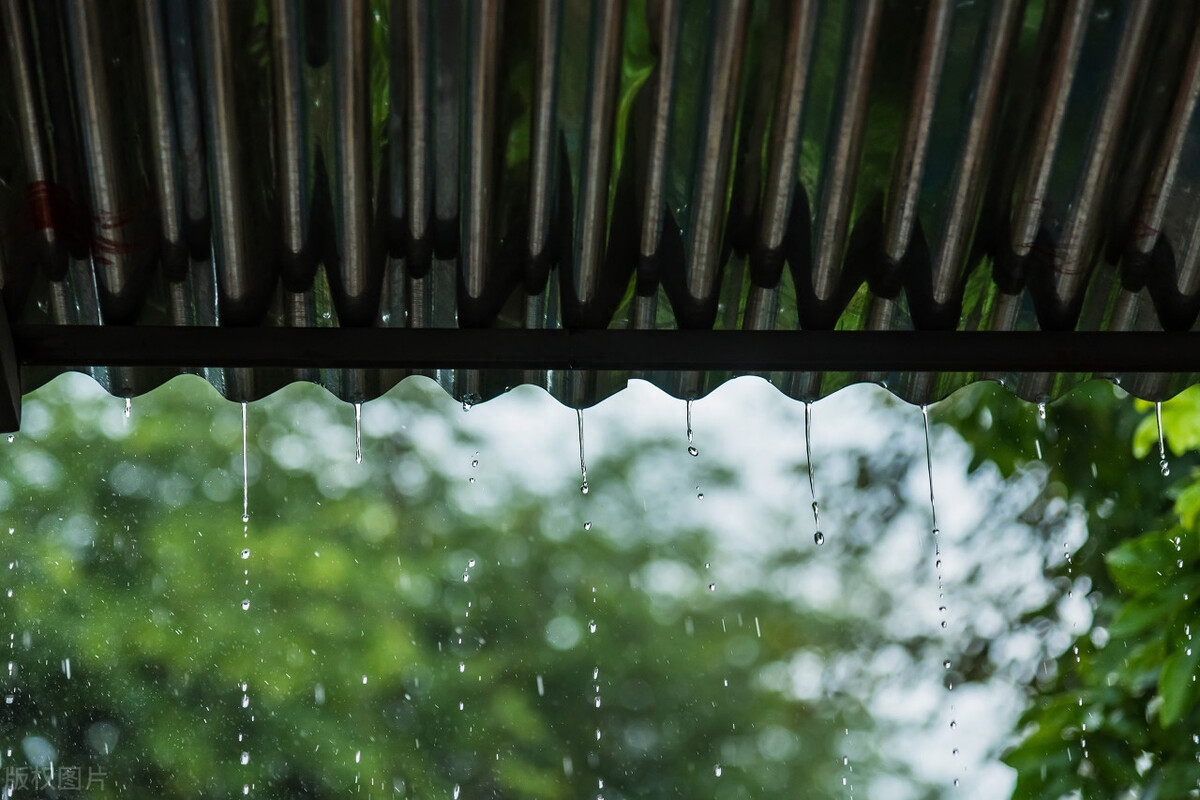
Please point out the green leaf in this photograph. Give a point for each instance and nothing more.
(1177, 683)
(1143, 564)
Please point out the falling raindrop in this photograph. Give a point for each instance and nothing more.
(717, 770)
(587, 526)
(245, 605)
(818, 537)
(692, 451)
(12, 438)
(462, 666)
(712, 587)
(541, 687)
(475, 461)
(699, 494)
(1163, 466)
(358, 433)
(457, 788)
(245, 471)
(245, 757)
(592, 626)
(128, 407)
(246, 553)
(583, 487)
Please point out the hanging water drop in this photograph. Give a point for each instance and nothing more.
(12, 438)
(929, 471)
(692, 451)
(245, 470)
(1163, 466)
(128, 407)
(583, 487)
(818, 537)
(1042, 411)
(358, 433)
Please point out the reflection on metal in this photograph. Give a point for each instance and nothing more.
(750, 166)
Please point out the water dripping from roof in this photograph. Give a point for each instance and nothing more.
(583, 487)
(1163, 466)
(818, 537)
(128, 407)
(358, 433)
(692, 451)
(245, 470)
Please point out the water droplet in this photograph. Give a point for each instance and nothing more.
(692, 451)
(245, 701)
(954, 752)
(587, 526)
(245, 470)
(541, 687)
(474, 463)
(245, 757)
(11, 438)
(462, 666)
(246, 788)
(946, 663)
(953, 724)
(358, 433)
(717, 770)
(471, 563)
(457, 789)
(943, 624)
(819, 538)
(245, 605)
(1163, 466)
(1041, 410)
(583, 487)
(699, 494)
(128, 407)
(956, 783)
(712, 587)
(597, 702)
(246, 553)
(471, 480)
(592, 626)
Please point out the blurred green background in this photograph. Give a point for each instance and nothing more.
(452, 618)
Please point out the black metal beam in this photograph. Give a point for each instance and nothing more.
(738, 351)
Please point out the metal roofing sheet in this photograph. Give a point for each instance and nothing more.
(763, 165)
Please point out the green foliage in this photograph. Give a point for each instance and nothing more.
(1118, 712)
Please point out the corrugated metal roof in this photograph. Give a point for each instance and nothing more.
(576, 164)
